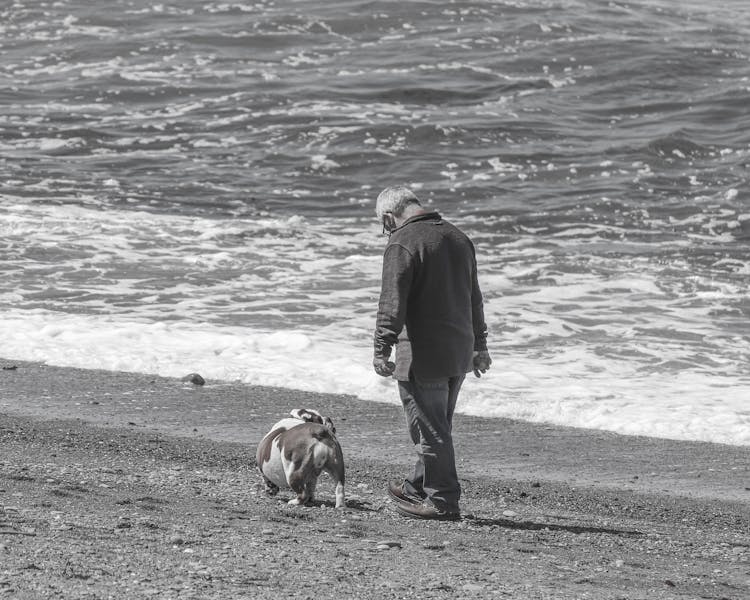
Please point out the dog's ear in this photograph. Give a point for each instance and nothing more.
(308, 415)
(298, 413)
(328, 423)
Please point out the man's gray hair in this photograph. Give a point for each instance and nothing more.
(395, 200)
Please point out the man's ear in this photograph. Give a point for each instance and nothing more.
(389, 221)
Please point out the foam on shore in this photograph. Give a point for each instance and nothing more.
(517, 387)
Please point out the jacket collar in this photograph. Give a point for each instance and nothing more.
(429, 216)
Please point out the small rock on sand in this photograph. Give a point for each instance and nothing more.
(194, 378)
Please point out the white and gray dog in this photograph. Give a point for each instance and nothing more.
(296, 451)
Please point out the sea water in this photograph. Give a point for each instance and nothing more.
(189, 186)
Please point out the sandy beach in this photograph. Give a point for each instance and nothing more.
(119, 485)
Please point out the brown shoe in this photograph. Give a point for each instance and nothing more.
(423, 510)
(396, 491)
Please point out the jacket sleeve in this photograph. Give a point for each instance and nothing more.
(477, 312)
(398, 272)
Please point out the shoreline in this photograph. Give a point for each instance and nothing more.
(239, 412)
(124, 485)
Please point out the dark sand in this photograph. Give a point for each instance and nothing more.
(117, 485)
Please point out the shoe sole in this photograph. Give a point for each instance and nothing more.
(405, 499)
(403, 508)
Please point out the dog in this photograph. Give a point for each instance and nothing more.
(296, 451)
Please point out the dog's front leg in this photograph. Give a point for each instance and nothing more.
(271, 488)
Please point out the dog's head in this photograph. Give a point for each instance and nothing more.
(313, 416)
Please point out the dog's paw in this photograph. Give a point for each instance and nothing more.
(300, 501)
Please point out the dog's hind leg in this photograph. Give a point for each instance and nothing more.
(336, 470)
(304, 477)
(340, 503)
(310, 488)
(298, 485)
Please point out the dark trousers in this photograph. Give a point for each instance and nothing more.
(429, 407)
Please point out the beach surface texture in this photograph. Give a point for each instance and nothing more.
(120, 485)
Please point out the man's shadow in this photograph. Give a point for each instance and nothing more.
(535, 526)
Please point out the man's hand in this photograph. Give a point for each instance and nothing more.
(482, 362)
(383, 366)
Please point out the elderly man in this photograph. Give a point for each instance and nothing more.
(431, 310)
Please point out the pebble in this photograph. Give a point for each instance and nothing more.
(428, 546)
(267, 532)
(389, 543)
(510, 513)
(473, 587)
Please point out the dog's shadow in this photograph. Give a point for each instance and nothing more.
(355, 504)
(536, 526)
(350, 503)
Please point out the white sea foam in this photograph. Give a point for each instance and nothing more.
(292, 359)
(519, 386)
(290, 302)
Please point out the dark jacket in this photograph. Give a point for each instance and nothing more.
(430, 287)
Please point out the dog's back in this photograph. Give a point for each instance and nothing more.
(311, 446)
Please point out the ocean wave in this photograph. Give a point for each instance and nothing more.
(203, 183)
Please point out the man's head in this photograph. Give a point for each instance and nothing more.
(394, 200)
(393, 203)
